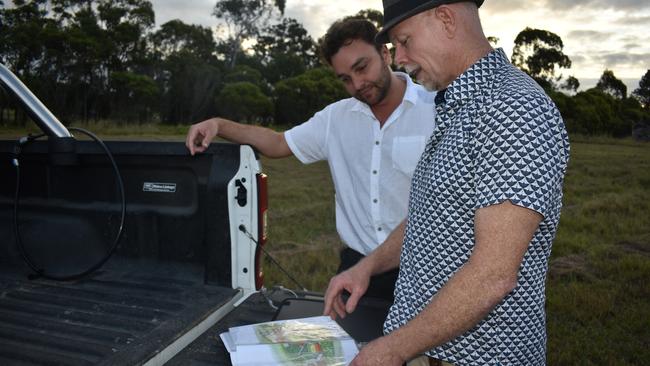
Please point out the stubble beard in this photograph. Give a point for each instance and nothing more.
(382, 84)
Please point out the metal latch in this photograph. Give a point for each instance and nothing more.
(242, 192)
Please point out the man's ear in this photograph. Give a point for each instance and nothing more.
(448, 18)
(385, 55)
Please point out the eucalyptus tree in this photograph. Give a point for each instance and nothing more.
(187, 71)
(298, 98)
(540, 54)
(27, 39)
(176, 37)
(642, 93)
(611, 85)
(285, 50)
(571, 84)
(106, 53)
(23, 29)
(243, 20)
(244, 101)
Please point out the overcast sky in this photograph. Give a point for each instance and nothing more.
(597, 34)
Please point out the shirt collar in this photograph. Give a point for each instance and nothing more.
(466, 86)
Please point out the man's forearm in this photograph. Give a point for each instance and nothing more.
(270, 143)
(464, 301)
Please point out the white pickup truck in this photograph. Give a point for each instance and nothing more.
(131, 252)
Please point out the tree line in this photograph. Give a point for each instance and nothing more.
(91, 60)
(606, 109)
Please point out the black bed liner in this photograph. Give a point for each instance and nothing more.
(208, 349)
(125, 314)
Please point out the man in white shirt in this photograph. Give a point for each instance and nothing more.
(372, 142)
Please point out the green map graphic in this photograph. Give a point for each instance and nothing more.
(302, 344)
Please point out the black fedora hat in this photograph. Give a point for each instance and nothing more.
(397, 10)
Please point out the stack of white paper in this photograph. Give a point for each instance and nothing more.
(316, 341)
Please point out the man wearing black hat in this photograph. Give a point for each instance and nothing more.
(484, 204)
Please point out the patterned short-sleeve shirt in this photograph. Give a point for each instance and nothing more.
(498, 137)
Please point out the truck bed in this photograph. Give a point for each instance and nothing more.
(125, 313)
(176, 235)
(208, 349)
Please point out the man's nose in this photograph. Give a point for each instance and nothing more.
(400, 56)
(357, 83)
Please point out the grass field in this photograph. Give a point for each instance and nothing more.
(598, 289)
(598, 292)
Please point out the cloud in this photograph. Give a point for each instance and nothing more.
(578, 58)
(612, 60)
(632, 41)
(631, 38)
(629, 5)
(625, 63)
(589, 35)
(587, 83)
(315, 25)
(507, 6)
(190, 12)
(634, 20)
(317, 16)
(629, 46)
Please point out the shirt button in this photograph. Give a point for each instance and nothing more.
(375, 200)
(374, 172)
(376, 142)
(378, 229)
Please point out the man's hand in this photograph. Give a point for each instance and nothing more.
(379, 352)
(355, 281)
(201, 134)
(270, 143)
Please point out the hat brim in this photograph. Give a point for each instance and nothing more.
(382, 35)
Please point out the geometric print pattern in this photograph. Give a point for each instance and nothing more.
(498, 137)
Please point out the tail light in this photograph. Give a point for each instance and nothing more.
(262, 217)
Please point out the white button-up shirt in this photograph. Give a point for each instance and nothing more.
(371, 167)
